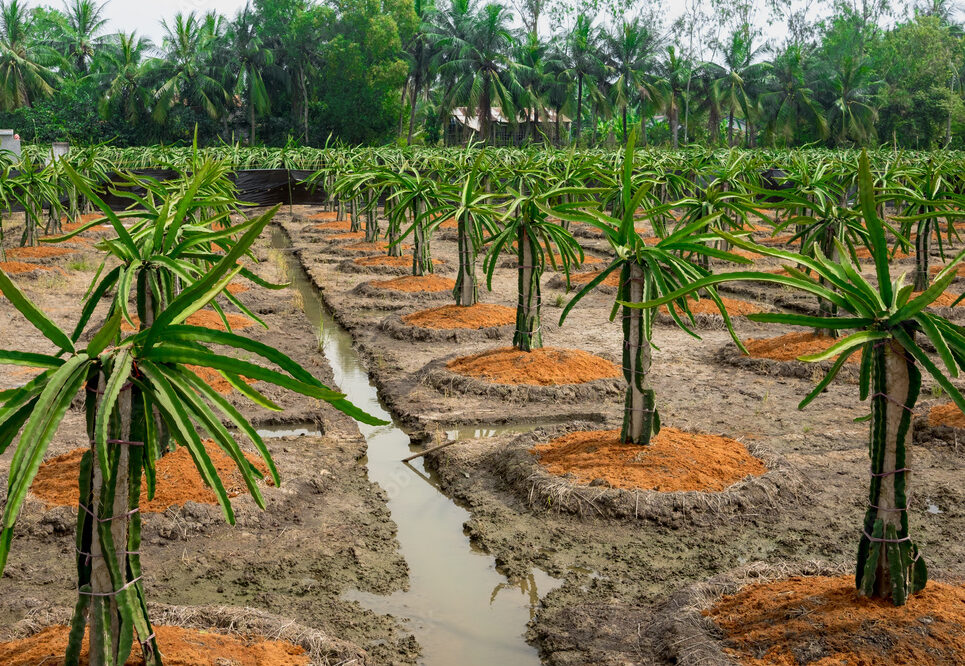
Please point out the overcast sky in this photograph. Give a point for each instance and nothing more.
(145, 16)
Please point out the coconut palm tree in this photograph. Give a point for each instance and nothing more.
(125, 68)
(83, 32)
(730, 79)
(187, 72)
(584, 63)
(420, 53)
(25, 65)
(477, 60)
(674, 72)
(852, 111)
(249, 60)
(629, 52)
(791, 100)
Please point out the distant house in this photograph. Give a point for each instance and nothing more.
(503, 131)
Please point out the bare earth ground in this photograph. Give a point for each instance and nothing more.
(617, 573)
(327, 529)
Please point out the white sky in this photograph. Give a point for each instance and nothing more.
(145, 16)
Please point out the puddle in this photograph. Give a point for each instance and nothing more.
(288, 430)
(460, 608)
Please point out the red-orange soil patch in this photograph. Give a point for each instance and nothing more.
(480, 315)
(417, 283)
(235, 289)
(746, 254)
(20, 267)
(179, 646)
(792, 345)
(67, 226)
(865, 253)
(379, 246)
(215, 379)
(325, 215)
(344, 225)
(582, 279)
(734, 307)
(451, 223)
(390, 262)
(354, 235)
(37, 252)
(770, 623)
(178, 480)
(945, 300)
(946, 415)
(674, 461)
(549, 366)
(206, 319)
(959, 270)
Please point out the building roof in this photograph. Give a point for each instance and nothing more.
(462, 115)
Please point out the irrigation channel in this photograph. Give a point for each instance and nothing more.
(459, 607)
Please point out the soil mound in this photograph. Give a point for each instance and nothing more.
(385, 260)
(345, 225)
(705, 306)
(180, 647)
(414, 284)
(583, 279)
(178, 480)
(945, 300)
(20, 267)
(480, 315)
(206, 319)
(215, 379)
(354, 235)
(789, 347)
(948, 415)
(543, 367)
(37, 252)
(235, 289)
(959, 270)
(674, 461)
(451, 223)
(865, 253)
(372, 247)
(325, 215)
(821, 619)
(775, 240)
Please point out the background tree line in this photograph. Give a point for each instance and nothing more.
(840, 73)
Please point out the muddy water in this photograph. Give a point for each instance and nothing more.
(459, 607)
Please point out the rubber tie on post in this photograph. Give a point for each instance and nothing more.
(112, 518)
(879, 475)
(892, 400)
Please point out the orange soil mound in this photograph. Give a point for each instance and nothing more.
(745, 253)
(215, 379)
(19, 267)
(345, 225)
(179, 647)
(235, 289)
(385, 260)
(674, 461)
(451, 223)
(945, 300)
(946, 415)
(480, 315)
(734, 307)
(411, 283)
(581, 279)
(372, 247)
(206, 319)
(789, 347)
(768, 623)
(325, 215)
(865, 253)
(69, 226)
(354, 235)
(38, 252)
(543, 367)
(959, 270)
(178, 480)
